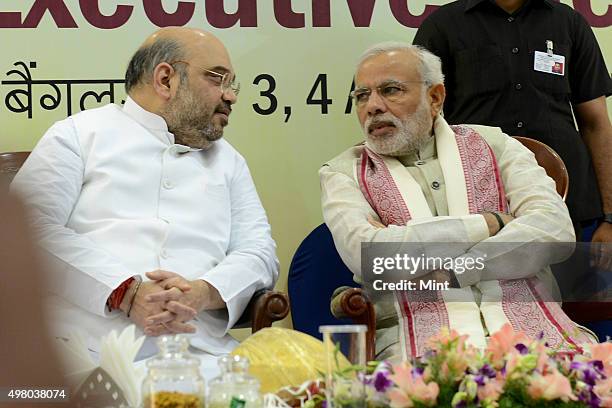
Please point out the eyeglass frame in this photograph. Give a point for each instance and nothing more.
(232, 84)
(383, 85)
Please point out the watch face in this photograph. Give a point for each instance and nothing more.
(607, 218)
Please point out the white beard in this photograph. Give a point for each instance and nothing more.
(409, 135)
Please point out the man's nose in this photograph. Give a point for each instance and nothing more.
(375, 104)
(230, 96)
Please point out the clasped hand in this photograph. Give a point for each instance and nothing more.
(165, 304)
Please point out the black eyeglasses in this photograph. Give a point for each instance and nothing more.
(227, 80)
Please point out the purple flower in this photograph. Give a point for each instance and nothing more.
(417, 371)
(382, 382)
(598, 364)
(522, 348)
(589, 377)
(590, 398)
(488, 371)
(324, 404)
(480, 380)
(588, 372)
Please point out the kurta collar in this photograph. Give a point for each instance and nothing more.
(426, 152)
(147, 119)
(153, 122)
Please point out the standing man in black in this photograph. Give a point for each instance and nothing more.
(525, 66)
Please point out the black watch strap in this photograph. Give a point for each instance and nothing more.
(500, 222)
(608, 218)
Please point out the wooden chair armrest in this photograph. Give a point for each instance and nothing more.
(354, 304)
(266, 307)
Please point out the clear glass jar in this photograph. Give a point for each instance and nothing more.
(234, 387)
(173, 378)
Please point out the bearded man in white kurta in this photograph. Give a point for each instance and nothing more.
(418, 180)
(149, 191)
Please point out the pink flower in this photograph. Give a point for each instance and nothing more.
(541, 351)
(502, 342)
(514, 358)
(603, 389)
(399, 399)
(550, 386)
(410, 387)
(490, 391)
(603, 352)
(445, 338)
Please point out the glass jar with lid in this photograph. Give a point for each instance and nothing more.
(234, 387)
(173, 378)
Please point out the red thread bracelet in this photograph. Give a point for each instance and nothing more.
(115, 298)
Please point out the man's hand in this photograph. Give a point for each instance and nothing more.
(601, 247)
(182, 299)
(492, 223)
(437, 275)
(142, 310)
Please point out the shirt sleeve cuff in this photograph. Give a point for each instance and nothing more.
(222, 320)
(476, 227)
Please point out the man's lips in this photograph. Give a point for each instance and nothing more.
(224, 113)
(380, 128)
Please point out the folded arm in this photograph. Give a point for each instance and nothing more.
(346, 212)
(541, 218)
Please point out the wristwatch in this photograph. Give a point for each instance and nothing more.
(607, 218)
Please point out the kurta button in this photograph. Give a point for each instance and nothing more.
(435, 185)
(167, 184)
(518, 87)
(515, 50)
(420, 163)
(520, 124)
(510, 19)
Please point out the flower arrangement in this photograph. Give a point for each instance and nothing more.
(513, 371)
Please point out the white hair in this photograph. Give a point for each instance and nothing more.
(430, 65)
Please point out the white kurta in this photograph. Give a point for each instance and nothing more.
(541, 216)
(113, 196)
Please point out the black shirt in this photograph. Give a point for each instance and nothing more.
(488, 62)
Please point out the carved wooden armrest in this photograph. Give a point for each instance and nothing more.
(266, 307)
(354, 304)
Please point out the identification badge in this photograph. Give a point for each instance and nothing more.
(549, 63)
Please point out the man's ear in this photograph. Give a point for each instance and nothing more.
(162, 76)
(437, 94)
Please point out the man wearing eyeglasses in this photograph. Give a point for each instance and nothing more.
(417, 182)
(148, 215)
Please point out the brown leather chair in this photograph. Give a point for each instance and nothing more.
(353, 303)
(266, 306)
(551, 161)
(10, 163)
